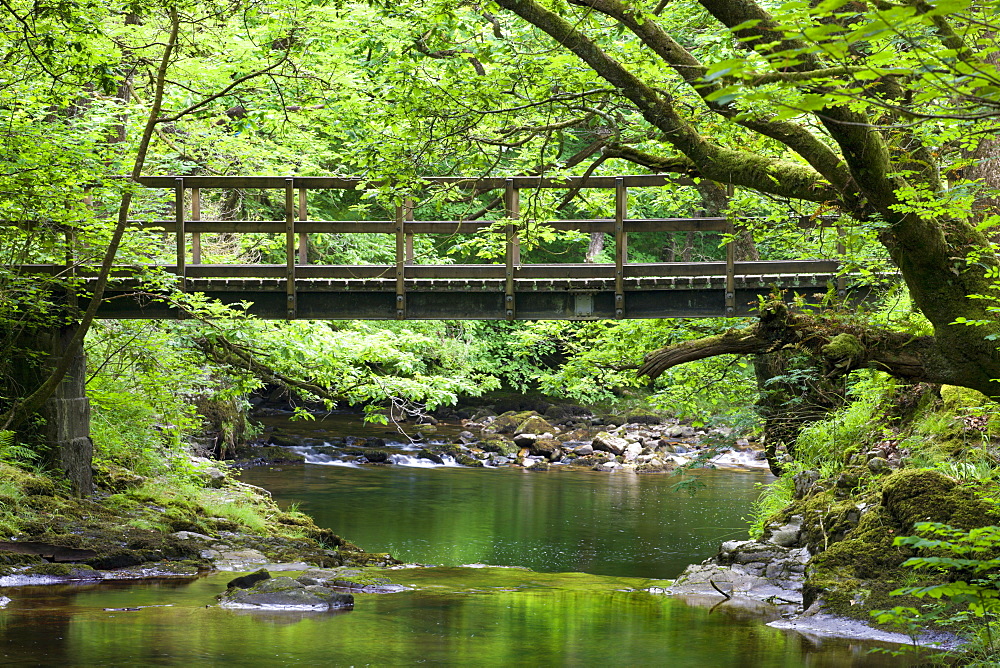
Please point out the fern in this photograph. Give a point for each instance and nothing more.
(14, 453)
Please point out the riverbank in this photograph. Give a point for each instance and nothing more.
(134, 527)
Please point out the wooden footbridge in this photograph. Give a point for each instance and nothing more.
(409, 289)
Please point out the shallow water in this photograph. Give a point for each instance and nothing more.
(459, 616)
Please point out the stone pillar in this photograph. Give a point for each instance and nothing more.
(65, 425)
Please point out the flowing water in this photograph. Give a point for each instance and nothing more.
(594, 541)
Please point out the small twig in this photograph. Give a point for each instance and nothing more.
(716, 588)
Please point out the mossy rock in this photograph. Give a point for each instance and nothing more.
(643, 416)
(546, 447)
(369, 559)
(534, 424)
(71, 571)
(916, 495)
(29, 483)
(498, 445)
(510, 422)
(857, 567)
(116, 478)
(18, 559)
(960, 399)
(450, 449)
(843, 347)
(466, 460)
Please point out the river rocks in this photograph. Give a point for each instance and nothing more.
(352, 579)
(224, 559)
(631, 452)
(643, 442)
(429, 455)
(377, 456)
(608, 443)
(786, 535)
(525, 440)
(546, 447)
(749, 569)
(284, 593)
(512, 422)
(681, 431)
(498, 445)
(534, 424)
(46, 574)
(248, 581)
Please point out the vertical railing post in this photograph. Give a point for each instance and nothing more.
(621, 245)
(303, 239)
(72, 298)
(841, 252)
(400, 264)
(730, 269)
(195, 215)
(512, 252)
(291, 302)
(408, 217)
(730, 259)
(181, 245)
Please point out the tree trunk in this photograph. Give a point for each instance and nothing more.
(596, 246)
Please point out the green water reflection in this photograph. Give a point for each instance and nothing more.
(605, 523)
(467, 617)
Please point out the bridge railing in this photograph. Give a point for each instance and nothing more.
(188, 225)
(516, 289)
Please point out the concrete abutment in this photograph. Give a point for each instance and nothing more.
(64, 426)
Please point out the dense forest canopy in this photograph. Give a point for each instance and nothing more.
(883, 113)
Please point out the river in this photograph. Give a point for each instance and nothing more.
(592, 540)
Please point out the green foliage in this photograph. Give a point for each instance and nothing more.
(142, 386)
(969, 597)
(14, 453)
(773, 498)
(825, 445)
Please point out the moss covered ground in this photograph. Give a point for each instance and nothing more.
(894, 457)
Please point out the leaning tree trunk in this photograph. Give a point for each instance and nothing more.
(788, 405)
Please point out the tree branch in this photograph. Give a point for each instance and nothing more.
(799, 139)
(742, 168)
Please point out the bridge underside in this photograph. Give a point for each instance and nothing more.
(475, 300)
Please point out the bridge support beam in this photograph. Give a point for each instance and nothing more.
(65, 418)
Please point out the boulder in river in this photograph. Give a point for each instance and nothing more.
(433, 456)
(534, 424)
(525, 440)
(681, 431)
(355, 579)
(284, 593)
(546, 447)
(632, 452)
(249, 580)
(500, 446)
(511, 422)
(608, 443)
